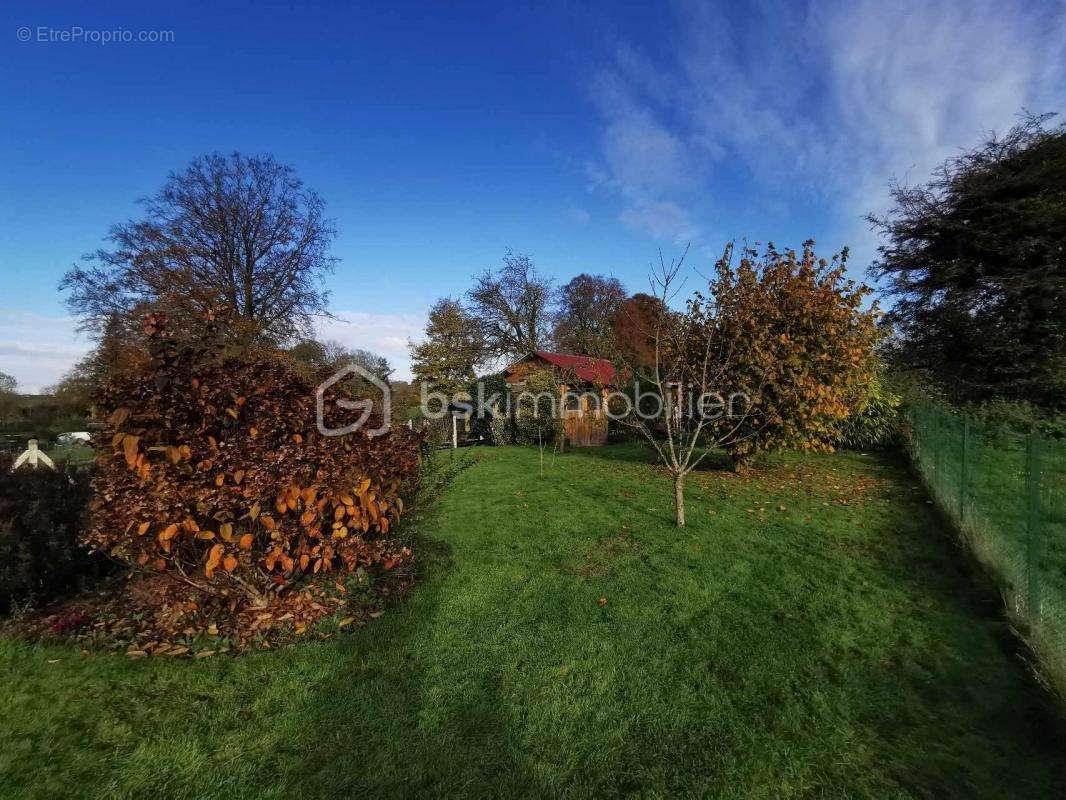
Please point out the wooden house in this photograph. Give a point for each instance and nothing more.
(585, 383)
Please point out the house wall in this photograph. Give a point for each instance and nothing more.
(582, 427)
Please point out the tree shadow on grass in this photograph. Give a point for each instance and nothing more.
(979, 664)
(380, 727)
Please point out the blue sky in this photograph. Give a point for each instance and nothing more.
(586, 135)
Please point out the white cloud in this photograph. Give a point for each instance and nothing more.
(913, 84)
(384, 334)
(828, 100)
(643, 162)
(663, 219)
(37, 349)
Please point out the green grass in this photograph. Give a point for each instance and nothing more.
(74, 453)
(810, 634)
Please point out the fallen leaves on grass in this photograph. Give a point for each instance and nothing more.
(154, 616)
(773, 483)
(601, 555)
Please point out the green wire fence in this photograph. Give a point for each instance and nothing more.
(1006, 492)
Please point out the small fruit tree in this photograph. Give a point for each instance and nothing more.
(213, 471)
(538, 412)
(778, 352)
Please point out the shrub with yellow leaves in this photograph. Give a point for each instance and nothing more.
(802, 344)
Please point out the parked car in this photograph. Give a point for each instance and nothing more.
(73, 437)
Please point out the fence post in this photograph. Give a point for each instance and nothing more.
(1033, 519)
(912, 416)
(923, 446)
(936, 454)
(965, 476)
(918, 428)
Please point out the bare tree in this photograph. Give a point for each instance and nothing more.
(687, 364)
(227, 231)
(512, 307)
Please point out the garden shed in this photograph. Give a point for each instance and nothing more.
(584, 384)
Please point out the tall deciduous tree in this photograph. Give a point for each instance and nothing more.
(975, 261)
(512, 307)
(318, 359)
(634, 325)
(452, 350)
(120, 349)
(227, 231)
(587, 306)
(330, 355)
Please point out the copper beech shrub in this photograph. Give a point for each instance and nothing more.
(213, 472)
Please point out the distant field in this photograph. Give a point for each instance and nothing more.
(810, 634)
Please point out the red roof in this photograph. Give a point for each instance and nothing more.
(598, 371)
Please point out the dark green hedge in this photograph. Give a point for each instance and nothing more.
(41, 516)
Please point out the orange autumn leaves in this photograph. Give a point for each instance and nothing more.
(802, 343)
(301, 533)
(187, 488)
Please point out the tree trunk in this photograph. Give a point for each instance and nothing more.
(679, 500)
(741, 463)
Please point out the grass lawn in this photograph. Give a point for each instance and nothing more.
(74, 453)
(810, 634)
